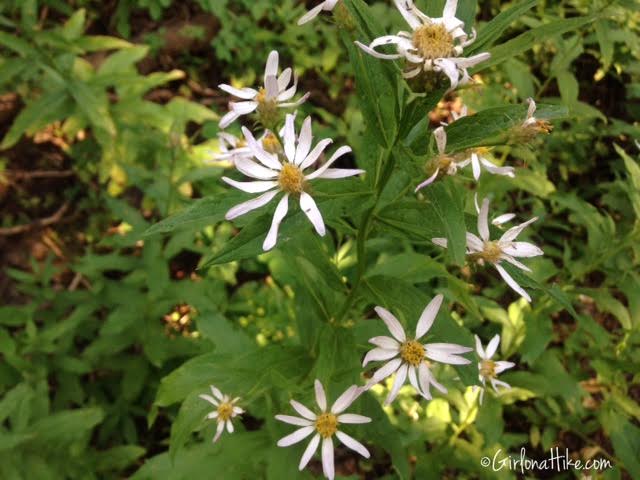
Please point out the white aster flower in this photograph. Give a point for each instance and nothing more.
(488, 368)
(443, 163)
(408, 357)
(275, 94)
(230, 148)
(224, 412)
(482, 249)
(500, 219)
(435, 44)
(281, 169)
(326, 5)
(325, 424)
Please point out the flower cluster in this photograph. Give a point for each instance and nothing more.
(282, 160)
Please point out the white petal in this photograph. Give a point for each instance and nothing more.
(284, 79)
(450, 8)
(493, 346)
(441, 139)
(479, 349)
(310, 209)
(383, 372)
(495, 383)
(468, 62)
(219, 431)
(253, 169)
(337, 154)
(512, 283)
(311, 14)
(450, 347)
(302, 410)
(267, 159)
(321, 398)
(379, 354)
(244, 93)
(334, 173)
(502, 365)
(441, 242)
(385, 342)
(515, 262)
(251, 187)
(228, 118)
(483, 220)
(428, 181)
(428, 316)
(327, 459)
(290, 138)
(443, 356)
(532, 107)
(392, 323)
(243, 108)
(229, 426)
(304, 141)
(271, 68)
(281, 211)
(373, 53)
(475, 166)
(501, 219)
(353, 418)
(511, 234)
(309, 451)
(474, 243)
(346, 399)
(302, 422)
(401, 376)
(212, 415)
(450, 69)
(407, 13)
(209, 399)
(296, 436)
(353, 444)
(494, 169)
(413, 379)
(522, 249)
(424, 378)
(250, 205)
(311, 158)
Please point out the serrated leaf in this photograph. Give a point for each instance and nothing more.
(490, 32)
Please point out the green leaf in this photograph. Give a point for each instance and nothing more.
(55, 105)
(123, 60)
(96, 43)
(529, 39)
(448, 206)
(73, 28)
(62, 428)
(21, 47)
(192, 413)
(492, 31)
(95, 106)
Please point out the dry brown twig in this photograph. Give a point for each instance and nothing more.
(41, 222)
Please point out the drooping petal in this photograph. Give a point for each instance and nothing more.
(401, 376)
(474, 243)
(495, 383)
(244, 93)
(392, 323)
(249, 205)
(321, 398)
(219, 431)
(228, 118)
(441, 242)
(379, 354)
(493, 346)
(310, 209)
(428, 316)
(281, 211)
(483, 220)
(502, 219)
(302, 410)
(383, 372)
(512, 283)
(475, 166)
(353, 418)
(503, 365)
(424, 378)
(328, 467)
(440, 135)
(229, 426)
(443, 356)
(353, 444)
(296, 436)
(309, 451)
(511, 234)
(267, 159)
(311, 14)
(254, 170)
(428, 181)
(302, 422)
(213, 414)
(514, 262)
(494, 169)
(373, 53)
(450, 69)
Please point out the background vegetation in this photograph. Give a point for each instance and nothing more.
(108, 124)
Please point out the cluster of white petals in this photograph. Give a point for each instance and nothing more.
(483, 249)
(226, 409)
(434, 44)
(408, 357)
(275, 93)
(325, 424)
(490, 369)
(326, 5)
(284, 171)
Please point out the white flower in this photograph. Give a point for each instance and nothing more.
(326, 5)
(531, 126)
(231, 148)
(483, 249)
(224, 412)
(443, 163)
(500, 219)
(273, 95)
(408, 357)
(325, 424)
(435, 44)
(281, 169)
(488, 368)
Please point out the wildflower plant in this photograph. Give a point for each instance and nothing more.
(360, 249)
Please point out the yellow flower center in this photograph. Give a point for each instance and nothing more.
(432, 41)
(442, 163)
(267, 109)
(291, 179)
(488, 368)
(271, 143)
(412, 352)
(225, 411)
(491, 252)
(326, 424)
